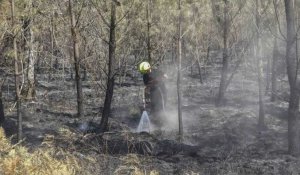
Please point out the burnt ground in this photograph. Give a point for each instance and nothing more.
(222, 140)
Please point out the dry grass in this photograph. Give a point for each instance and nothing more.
(15, 159)
(132, 165)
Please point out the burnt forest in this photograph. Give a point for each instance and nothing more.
(149, 87)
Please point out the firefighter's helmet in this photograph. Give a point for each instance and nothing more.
(144, 67)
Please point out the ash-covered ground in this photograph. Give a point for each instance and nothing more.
(222, 140)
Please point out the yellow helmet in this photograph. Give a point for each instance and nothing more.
(144, 67)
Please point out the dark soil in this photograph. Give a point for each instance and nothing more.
(222, 140)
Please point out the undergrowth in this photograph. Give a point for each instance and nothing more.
(15, 160)
(132, 165)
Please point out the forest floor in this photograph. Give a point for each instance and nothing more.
(222, 140)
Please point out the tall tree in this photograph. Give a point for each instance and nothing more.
(75, 38)
(2, 117)
(17, 72)
(225, 18)
(275, 58)
(292, 71)
(111, 68)
(196, 44)
(225, 62)
(258, 56)
(29, 53)
(148, 16)
(179, 93)
(52, 31)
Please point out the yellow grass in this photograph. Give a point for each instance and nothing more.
(15, 160)
(132, 165)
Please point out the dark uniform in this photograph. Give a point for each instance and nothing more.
(155, 92)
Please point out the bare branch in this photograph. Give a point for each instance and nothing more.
(277, 19)
(121, 19)
(79, 15)
(100, 14)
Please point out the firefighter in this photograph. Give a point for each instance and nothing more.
(155, 90)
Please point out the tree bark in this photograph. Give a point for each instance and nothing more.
(268, 75)
(148, 14)
(222, 88)
(292, 70)
(274, 72)
(29, 57)
(75, 39)
(111, 75)
(2, 116)
(17, 73)
(173, 52)
(206, 61)
(31, 73)
(52, 48)
(179, 73)
(258, 55)
(199, 71)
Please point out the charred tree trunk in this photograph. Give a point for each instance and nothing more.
(29, 57)
(292, 71)
(148, 15)
(173, 53)
(179, 73)
(74, 31)
(206, 61)
(84, 73)
(192, 70)
(17, 73)
(222, 88)
(268, 76)
(111, 75)
(52, 48)
(2, 116)
(258, 55)
(199, 70)
(30, 71)
(274, 72)
(261, 120)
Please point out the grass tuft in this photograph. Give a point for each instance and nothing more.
(133, 165)
(15, 160)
